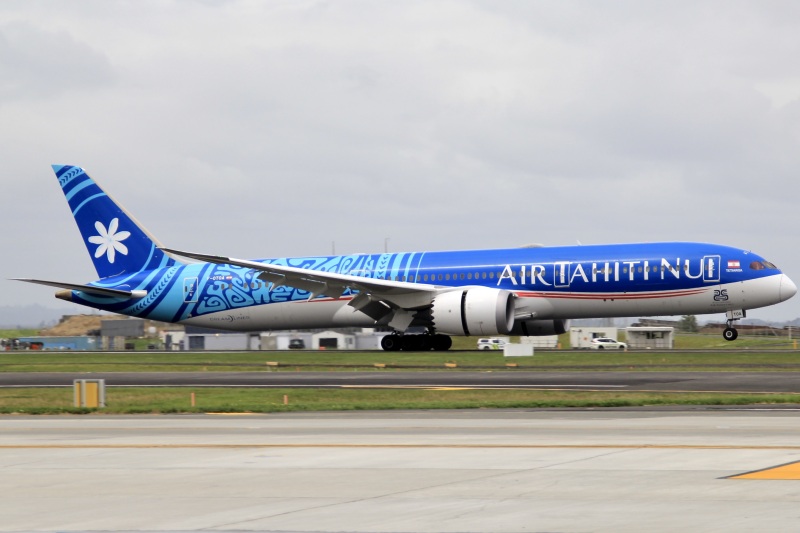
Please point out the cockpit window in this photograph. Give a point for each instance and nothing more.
(761, 265)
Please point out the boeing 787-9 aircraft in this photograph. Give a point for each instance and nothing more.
(516, 291)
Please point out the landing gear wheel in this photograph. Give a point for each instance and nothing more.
(442, 343)
(426, 343)
(391, 343)
(413, 343)
(730, 334)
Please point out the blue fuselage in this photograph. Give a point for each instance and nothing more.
(553, 282)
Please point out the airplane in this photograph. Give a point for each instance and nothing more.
(517, 291)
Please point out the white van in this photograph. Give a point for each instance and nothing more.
(493, 343)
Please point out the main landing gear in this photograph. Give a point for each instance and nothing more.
(416, 343)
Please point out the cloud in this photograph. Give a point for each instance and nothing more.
(275, 128)
(39, 64)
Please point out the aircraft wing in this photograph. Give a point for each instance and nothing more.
(89, 289)
(377, 298)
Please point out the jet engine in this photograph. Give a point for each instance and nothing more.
(473, 311)
(536, 328)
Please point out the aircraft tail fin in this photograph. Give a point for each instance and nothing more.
(116, 242)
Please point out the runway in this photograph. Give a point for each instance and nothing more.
(453, 471)
(734, 382)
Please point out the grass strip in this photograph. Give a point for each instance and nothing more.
(244, 400)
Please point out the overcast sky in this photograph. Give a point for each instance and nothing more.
(271, 129)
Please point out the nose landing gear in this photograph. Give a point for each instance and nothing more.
(730, 333)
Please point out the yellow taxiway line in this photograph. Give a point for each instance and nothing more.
(401, 446)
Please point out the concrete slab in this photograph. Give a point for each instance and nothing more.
(466, 471)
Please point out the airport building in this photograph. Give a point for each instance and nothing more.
(650, 337)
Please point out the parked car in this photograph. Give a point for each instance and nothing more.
(491, 344)
(605, 343)
(296, 344)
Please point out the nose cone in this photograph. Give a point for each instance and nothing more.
(788, 288)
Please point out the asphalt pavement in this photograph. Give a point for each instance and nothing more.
(737, 382)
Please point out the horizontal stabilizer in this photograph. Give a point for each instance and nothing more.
(88, 289)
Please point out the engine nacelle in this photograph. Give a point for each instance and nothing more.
(474, 311)
(536, 328)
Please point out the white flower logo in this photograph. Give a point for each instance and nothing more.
(109, 241)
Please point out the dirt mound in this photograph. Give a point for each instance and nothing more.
(76, 325)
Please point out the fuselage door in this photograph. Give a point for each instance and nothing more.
(189, 290)
(711, 268)
(562, 271)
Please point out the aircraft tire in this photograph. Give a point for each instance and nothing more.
(426, 343)
(409, 343)
(442, 343)
(391, 343)
(730, 334)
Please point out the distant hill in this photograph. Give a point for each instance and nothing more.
(33, 316)
(74, 325)
(772, 323)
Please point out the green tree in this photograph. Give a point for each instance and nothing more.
(688, 324)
